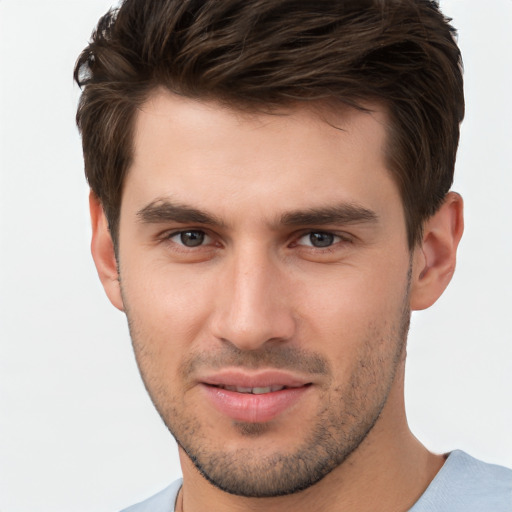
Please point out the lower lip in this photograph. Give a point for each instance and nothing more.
(249, 408)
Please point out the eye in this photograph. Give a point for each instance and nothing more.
(318, 239)
(190, 238)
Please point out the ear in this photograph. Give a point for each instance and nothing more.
(434, 260)
(102, 249)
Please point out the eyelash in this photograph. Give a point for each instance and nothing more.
(181, 233)
(338, 238)
(205, 247)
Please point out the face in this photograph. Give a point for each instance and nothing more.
(265, 272)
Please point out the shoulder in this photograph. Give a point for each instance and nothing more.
(160, 502)
(467, 484)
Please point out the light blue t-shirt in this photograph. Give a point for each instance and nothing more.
(463, 484)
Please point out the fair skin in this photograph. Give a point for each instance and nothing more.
(259, 251)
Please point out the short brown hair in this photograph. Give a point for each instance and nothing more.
(267, 53)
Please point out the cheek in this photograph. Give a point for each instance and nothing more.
(356, 309)
(167, 312)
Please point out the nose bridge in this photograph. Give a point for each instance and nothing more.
(253, 308)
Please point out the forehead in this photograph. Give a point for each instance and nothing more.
(202, 151)
(171, 114)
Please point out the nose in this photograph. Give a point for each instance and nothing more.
(253, 306)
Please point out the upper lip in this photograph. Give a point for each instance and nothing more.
(254, 379)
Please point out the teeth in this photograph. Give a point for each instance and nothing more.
(254, 391)
(238, 389)
(260, 391)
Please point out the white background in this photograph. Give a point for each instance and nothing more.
(77, 432)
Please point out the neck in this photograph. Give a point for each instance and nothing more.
(388, 472)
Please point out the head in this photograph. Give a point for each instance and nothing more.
(269, 202)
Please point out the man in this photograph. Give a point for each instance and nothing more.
(270, 201)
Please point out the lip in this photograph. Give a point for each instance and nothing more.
(258, 379)
(253, 408)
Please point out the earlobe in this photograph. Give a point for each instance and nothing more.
(434, 260)
(102, 249)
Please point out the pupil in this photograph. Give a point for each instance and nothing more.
(192, 238)
(321, 239)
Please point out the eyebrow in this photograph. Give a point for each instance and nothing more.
(164, 210)
(345, 213)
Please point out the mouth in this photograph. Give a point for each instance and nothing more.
(254, 398)
(256, 390)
